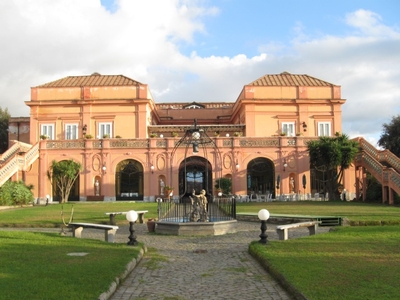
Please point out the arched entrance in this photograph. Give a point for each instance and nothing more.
(198, 173)
(260, 177)
(129, 180)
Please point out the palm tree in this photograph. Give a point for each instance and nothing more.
(332, 155)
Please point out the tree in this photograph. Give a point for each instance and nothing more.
(332, 155)
(15, 193)
(225, 184)
(4, 119)
(62, 176)
(390, 138)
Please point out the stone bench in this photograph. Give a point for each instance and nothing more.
(109, 230)
(282, 230)
(113, 214)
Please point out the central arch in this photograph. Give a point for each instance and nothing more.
(195, 173)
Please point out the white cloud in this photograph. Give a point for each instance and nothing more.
(370, 24)
(46, 40)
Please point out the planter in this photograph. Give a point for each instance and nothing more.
(151, 225)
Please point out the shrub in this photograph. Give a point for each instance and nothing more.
(224, 184)
(15, 193)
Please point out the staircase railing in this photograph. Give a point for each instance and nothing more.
(18, 157)
(371, 158)
(8, 169)
(31, 156)
(383, 156)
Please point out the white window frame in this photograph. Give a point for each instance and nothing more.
(105, 128)
(71, 131)
(289, 128)
(47, 130)
(324, 128)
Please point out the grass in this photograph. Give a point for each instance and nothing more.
(37, 266)
(349, 263)
(154, 259)
(94, 212)
(356, 212)
(50, 216)
(359, 262)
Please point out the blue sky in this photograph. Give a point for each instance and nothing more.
(203, 50)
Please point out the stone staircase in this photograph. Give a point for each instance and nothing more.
(17, 158)
(382, 164)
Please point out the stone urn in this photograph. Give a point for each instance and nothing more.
(151, 225)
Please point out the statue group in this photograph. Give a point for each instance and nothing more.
(199, 207)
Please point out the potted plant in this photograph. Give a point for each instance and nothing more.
(283, 133)
(168, 191)
(153, 135)
(88, 136)
(118, 137)
(106, 136)
(44, 137)
(216, 133)
(174, 134)
(168, 188)
(298, 133)
(237, 133)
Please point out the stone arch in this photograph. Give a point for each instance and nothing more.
(195, 172)
(260, 177)
(129, 183)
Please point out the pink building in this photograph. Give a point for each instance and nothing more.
(127, 142)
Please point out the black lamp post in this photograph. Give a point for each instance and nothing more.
(263, 215)
(132, 216)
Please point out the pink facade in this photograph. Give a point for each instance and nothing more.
(126, 141)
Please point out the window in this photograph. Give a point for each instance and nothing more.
(105, 129)
(47, 130)
(288, 128)
(324, 129)
(71, 131)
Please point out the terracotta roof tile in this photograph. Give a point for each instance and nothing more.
(287, 79)
(92, 80)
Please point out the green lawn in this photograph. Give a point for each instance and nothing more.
(50, 216)
(356, 212)
(37, 266)
(352, 263)
(356, 262)
(91, 212)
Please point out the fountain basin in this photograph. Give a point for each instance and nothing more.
(196, 228)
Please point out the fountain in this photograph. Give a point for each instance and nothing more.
(196, 214)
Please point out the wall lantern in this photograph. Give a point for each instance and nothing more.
(304, 126)
(152, 168)
(84, 129)
(284, 165)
